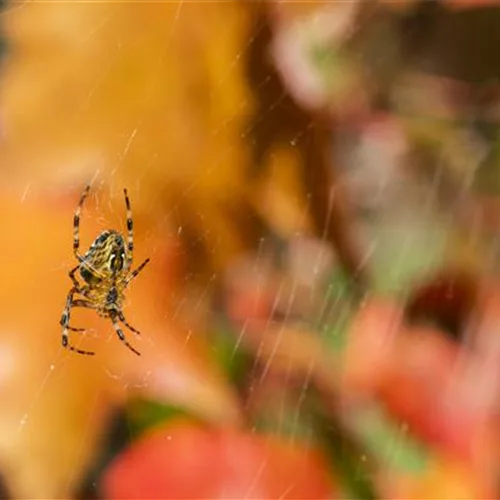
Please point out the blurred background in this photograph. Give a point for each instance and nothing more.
(317, 186)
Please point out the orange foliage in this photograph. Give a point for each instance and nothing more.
(444, 478)
(149, 95)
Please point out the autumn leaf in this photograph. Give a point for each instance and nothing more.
(149, 96)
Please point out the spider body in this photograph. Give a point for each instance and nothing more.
(105, 271)
(105, 259)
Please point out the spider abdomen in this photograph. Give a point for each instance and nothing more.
(88, 276)
(105, 258)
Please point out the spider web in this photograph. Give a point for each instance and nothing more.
(368, 160)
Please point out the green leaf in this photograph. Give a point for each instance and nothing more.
(349, 459)
(391, 443)
(143, 414)
(232, 357)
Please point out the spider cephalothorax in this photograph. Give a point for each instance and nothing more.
(105, 270)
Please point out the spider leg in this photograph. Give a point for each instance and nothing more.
(73, 329)
(73, 278)
(137, 271)
(76, 224)
(77, 303)
(124, 321)
(65, 322)
(130, 230)
(121, 335)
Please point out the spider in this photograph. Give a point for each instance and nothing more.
(106, 272)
